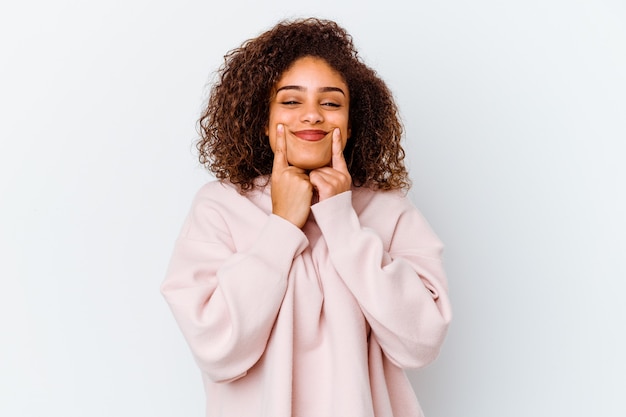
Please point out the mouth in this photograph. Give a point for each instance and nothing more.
(311, 135)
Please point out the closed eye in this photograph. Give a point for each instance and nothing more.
(331, 104)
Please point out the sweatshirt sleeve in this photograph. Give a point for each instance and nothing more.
(402, 291)
(224, 301)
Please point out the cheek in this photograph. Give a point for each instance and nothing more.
(346, 124)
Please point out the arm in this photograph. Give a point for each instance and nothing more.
(403, 291)
(224, 301)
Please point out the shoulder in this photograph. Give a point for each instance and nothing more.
(214, 197)
(365, 199)
(215, 190)
(224, 195)
(219, 207)
(218, 190)
(394, 216)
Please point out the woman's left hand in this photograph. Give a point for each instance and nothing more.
(334, 179)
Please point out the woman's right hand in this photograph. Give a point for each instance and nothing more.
(292, 190)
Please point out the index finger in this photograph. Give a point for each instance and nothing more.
(338, 161)
(280, 151)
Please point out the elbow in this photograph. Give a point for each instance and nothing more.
(427, 341)
(421, 348)
(414, 355)
(421, 356)
(223, 363)
(221, 374)
(224, 369)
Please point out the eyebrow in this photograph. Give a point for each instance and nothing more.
(321, 89)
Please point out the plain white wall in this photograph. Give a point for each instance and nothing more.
(515, 115)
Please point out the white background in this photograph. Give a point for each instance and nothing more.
(515, 115)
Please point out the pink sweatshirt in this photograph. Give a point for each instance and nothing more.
(311, 322)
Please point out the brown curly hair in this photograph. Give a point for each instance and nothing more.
(233, 144)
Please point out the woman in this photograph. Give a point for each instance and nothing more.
(304, 280)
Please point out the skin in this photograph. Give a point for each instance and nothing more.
(308, 129)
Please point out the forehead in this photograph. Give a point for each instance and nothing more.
(311, 71)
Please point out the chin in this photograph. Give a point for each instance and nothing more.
(311, 161)
(309, 165)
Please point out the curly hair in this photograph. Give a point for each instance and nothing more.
(233, 144)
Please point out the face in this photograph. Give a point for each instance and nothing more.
(311, 99)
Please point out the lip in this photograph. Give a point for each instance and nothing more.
(311, 135)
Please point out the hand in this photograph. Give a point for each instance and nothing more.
(335, 179)
(292, 190)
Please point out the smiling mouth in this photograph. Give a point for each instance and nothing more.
(311, 135)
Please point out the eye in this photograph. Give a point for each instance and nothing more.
(289, 102)
(331, 104)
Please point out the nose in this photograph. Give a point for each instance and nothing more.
(311, 114)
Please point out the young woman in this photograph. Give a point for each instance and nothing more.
(303, 279)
